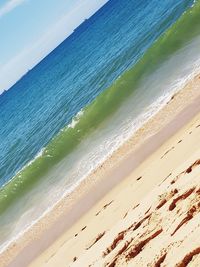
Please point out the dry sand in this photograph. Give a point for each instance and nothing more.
(141, 211)
(163, 230)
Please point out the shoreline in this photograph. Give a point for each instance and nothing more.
(173, 116)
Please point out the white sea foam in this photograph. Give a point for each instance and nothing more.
(99, 155)
(76, 119)
(93, 152)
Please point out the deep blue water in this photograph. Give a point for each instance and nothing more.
(37, 107)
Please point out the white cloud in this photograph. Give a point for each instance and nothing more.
(9, 6)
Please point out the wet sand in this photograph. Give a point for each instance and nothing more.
(81, 228)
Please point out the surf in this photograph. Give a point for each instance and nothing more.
(179, 35)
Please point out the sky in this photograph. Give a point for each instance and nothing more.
(31, 29)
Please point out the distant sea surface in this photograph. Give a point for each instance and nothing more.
(86, 98)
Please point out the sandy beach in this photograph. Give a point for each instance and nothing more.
(140, 208)
(100, 133)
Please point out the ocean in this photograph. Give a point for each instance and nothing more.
(68, 114)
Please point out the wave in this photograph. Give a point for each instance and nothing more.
(104, 106)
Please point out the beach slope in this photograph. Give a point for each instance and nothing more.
(151, 218)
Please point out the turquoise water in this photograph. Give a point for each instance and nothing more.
(69, 113)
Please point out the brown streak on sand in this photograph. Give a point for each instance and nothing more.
(160, 260)
(190, 169)
(147, 211)
(139, 247)
(122, 250)
(185, 220)
(137, 225)
(162, 203)
(115, 242)
(121, 235)
(198, 191)
(181, 197)
(104, 207)
(136, 206)
(188, 258)
(167, 152)
(113, 263)
(166, 198)
(165, 178)
(125, 215)
(96, 240)
(189, 216)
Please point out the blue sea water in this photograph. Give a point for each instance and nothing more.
(77, 105)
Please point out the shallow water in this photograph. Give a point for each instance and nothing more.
(87, 97)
